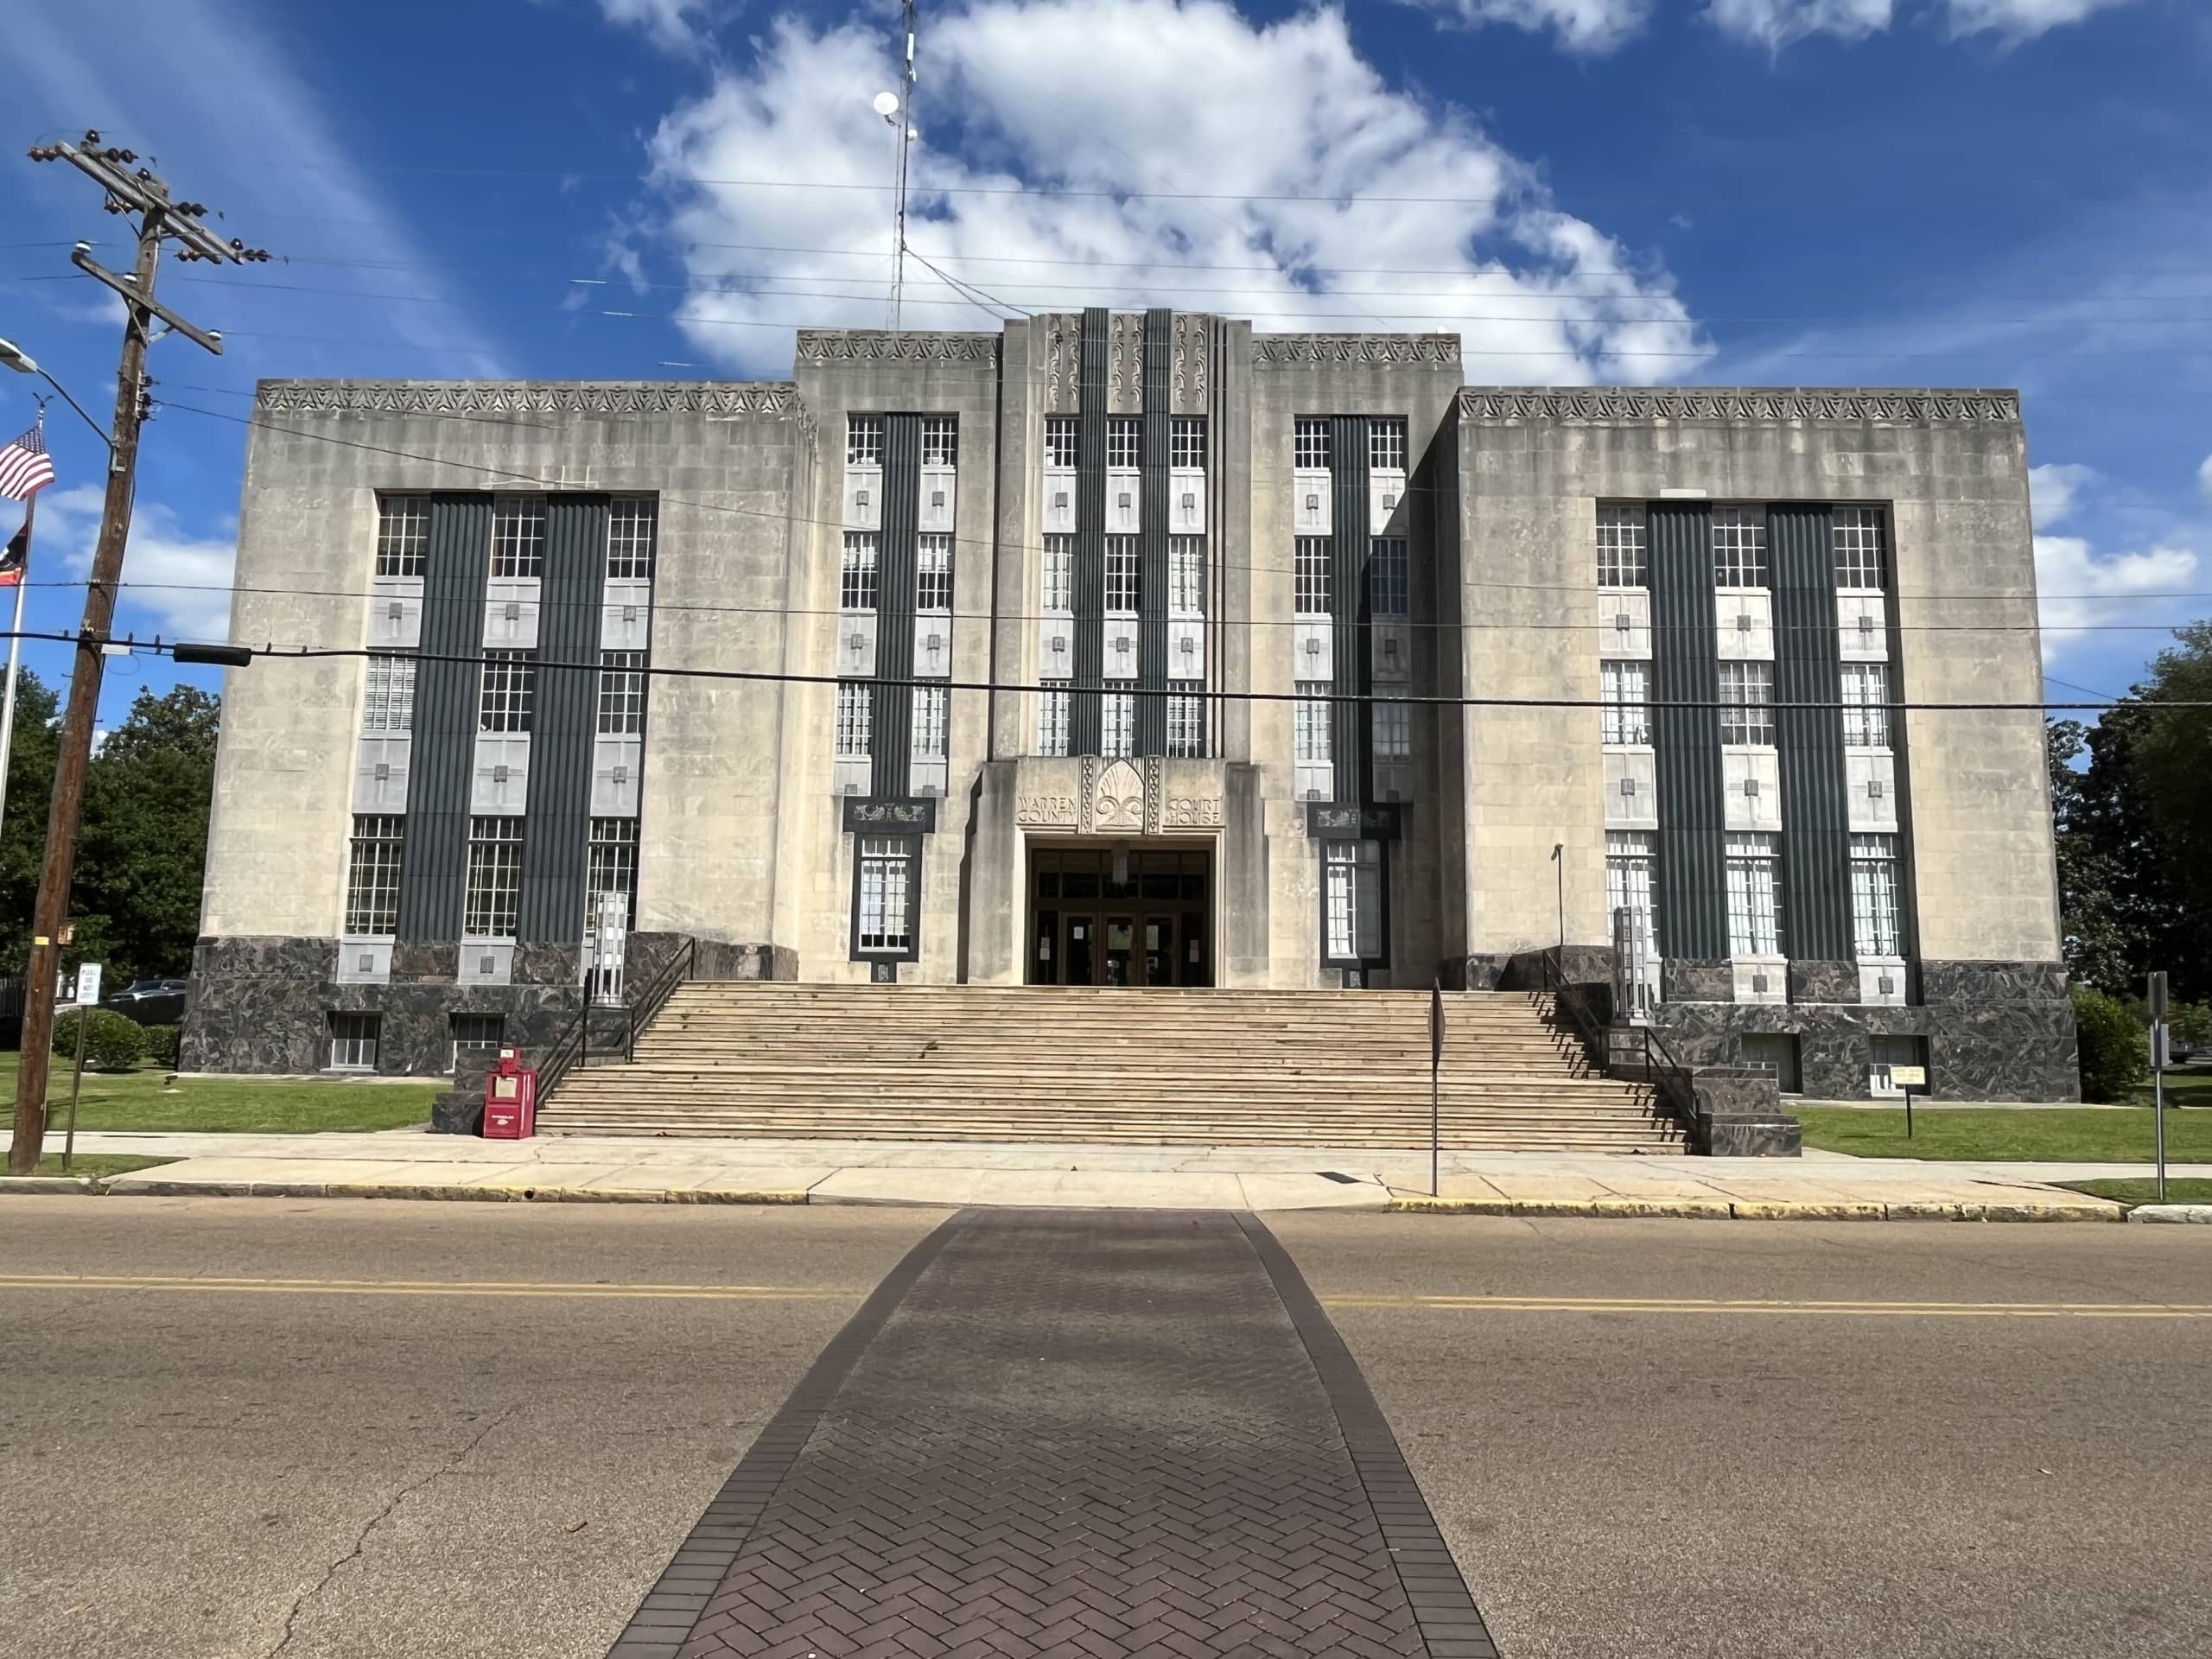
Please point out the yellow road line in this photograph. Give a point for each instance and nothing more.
(416, 1288)
(1757, 1305)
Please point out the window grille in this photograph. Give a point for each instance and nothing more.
(1059, 440)
(1624, 689)
(354, 1041)
(1866, 705)
(1739, 547)
(1861, 557)
(1310, 723)
(1187, 574)
(632, 525)
(517, 536)
(1059, 572)
(1310, 442)
(388, 705)
(1117, 723)
(931, 704)
(1386, 576)
(402, 535)
(1874, 923)
(1394, 723)
(933, 573)
(886, 875)
(494, 890)
(1122, 443)
(1386, 445)
(476, 1034)
(509, 691)
(372, 875)
(1123, 574)
(856, 574)
(1186, 441)
(621, 693)
(1628, 875)
(864, 441)
(1747, 703)
(1311, 576)
(940, 441)
(1053, 718)
(1186, 718)
(611, 866)
(856, 716)
(1624, 548)
(1352, 883)
(1754, 896)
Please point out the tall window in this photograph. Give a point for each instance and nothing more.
(475, 1033)
(1747, 703)
(1310, 442)
(494, 890)
(1628, 876)
(933, 573)
(1386, 576)
(1053, 718)
(1754, 896)
(1393, 718)
(1310, 723)
(855, 715)
(1123, 439)
(631, 523)
(1117, 723)
(1059, 440)
(372, 875)
(1624, 548)
(1122, 591)
(1624, 688)
(856, 574)
(518, 535)
(1187, 574)
(389, 704)
(1186, 441)
(1386, 445)
(354, 1041)
(1059, 573)
(940, 441)
(1352, 873)
(864, 441)
(621, 693)
(402, 535)
(1186, 718)
(1866, 705)
(1874, 926)
(612, 866)
(1861, 559)
(1311, 576)
(509, 691)
(931, 704)
(1739, 547)
(886, 876)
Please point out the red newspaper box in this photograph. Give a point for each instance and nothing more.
(509, 1098)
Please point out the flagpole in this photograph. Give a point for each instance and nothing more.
(15, 640)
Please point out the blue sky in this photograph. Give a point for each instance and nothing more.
(1799, 191)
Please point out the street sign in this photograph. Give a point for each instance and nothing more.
(2156, 997)
(88, 984)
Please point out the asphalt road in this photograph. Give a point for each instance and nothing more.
(389, 1466)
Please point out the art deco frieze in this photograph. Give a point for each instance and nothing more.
(1609, 405)
(1090, 795)
(822, 347)
(525, 397)
(1414, 351)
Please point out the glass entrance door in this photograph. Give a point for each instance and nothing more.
(1079, 962)
(1136, 918)
(1158, 949)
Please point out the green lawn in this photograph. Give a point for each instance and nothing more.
(2144, 1190)
(2050, 1134)
(96, 1163)
(136, 1099)
(2190, 1088)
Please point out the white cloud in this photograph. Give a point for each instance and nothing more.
(1085, 98)
(2204, 480)
(673, 24)
(2020, 19)
(2055, 490)
(1581, 25)
(2083, 589)
(1775, 23)
(173, 583)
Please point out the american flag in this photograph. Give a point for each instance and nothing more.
(25, 468)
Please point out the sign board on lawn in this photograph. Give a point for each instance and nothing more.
(1909, 1076)
(88, 984)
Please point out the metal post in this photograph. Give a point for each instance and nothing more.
(16, 642)
(2158, 1099)
(1435, 1064)
(76, 1087)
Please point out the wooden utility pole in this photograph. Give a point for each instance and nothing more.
(160, 219)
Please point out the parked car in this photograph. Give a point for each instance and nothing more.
(151, 1001)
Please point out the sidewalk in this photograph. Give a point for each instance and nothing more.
(407, 1163)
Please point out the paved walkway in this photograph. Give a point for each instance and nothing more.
(1084, 1434)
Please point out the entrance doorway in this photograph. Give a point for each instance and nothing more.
(1143, 918)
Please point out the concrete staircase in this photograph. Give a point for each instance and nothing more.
(1333, 1069)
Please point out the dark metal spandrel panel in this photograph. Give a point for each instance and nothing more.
(557, 821)
(1815, 823)
(1090, 564)
(891, 740)
(1685, 732)
(443, 754)
(1351, 729)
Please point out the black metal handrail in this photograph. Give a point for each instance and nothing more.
(1669, 1077)
(567, 1052)
(1570, 997)
(650, 1002)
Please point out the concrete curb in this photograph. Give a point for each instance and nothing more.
(48, 1184)
(2181, 1212)
(1772, 1209)
(140, 1187)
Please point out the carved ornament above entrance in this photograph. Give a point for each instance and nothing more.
(1092, 795)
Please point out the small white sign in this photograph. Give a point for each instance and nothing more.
(1909, 1076)
(88, 984)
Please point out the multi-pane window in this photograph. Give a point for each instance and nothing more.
(1866, 705)
(1386, 576)
(354, 1041)
(632, 522)
(856, 572)
(1186, 718)
(372, 875)
(1186, 441)
(1053, 718)
(1624, 548)
(1187, 574)
(1311, 576)
(1624, 689)
(611, 866)
(1747, 703)
(1310, 442)
(1117, 723)
(933, 573)
(855, 716)
(1310, 723)
(1394, 723)
(1861, 558)
(1059, 573)
(494, 890)
(886, 880)
(1739, 547)
(1123, 439)
(1122, 585)
(476, 1034)
(621, 693)
(1874, 896)
(931, 706)
(1754, 896)
(518, 535)
(1386, 445)
(509, 691)
(402, 535)
(864, 441)
(1059, 440)
(1628, 875)
(1352, 873)
(390, 703)
(940, 441)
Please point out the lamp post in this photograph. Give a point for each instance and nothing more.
(14, 357)
(1559, 864)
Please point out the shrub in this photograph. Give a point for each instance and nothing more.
(162, 1043)
(2192, 1023)
(112, 1042)
(2115, 1050)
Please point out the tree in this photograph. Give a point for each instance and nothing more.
(144, 841)
(30, 791)
(2096, 944)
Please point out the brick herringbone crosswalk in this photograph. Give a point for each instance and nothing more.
(1079, 1433)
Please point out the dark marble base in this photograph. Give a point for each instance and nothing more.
(458, 1111)
(1694, 979)
(1813, 980)
(1740, 1116)
(1750, 1137)
(256, 1005)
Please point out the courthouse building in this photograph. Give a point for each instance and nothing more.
(1143, 650)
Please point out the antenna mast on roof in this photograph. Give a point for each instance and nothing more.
(898, 107)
